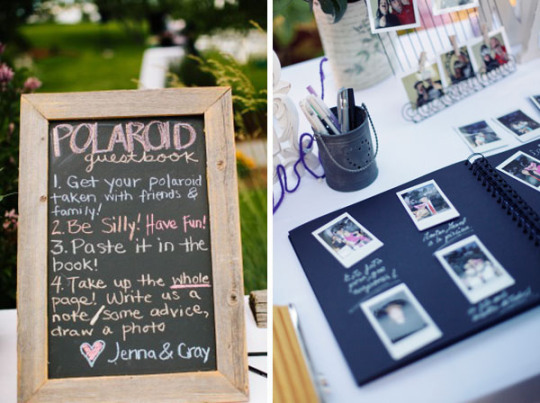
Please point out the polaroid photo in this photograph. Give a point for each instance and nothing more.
(521, 125)
(393, 15)
(423, 87)
(489, 56)
(347, 240)
(474, 269)
(456, 67)
(399, 320)
(449, 6)
(427, 205)
(480, 137)
(524, 168)
(536, 100)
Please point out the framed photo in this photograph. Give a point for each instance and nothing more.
(474, 269)
(536, 100)
(449, 6)
(457, 67)
(480, 137)
(347, 240)
(393, 15)
(520, 124)
(524, 168)
(423, 87)
(401, 323)
(115, 164)
(489, 56)
(427, 205)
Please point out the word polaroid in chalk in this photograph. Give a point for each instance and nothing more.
(126, 135)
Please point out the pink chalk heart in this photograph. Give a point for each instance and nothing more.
(92, 352)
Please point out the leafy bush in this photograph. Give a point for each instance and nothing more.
(13, 83)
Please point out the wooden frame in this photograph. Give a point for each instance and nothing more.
(230, 381)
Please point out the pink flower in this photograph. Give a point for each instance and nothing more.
(11, 214)
(10, 220)
(6, 74)
(31, 84)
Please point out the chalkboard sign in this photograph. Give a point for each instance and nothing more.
(129, 254)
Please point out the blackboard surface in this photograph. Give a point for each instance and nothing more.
(129, 267)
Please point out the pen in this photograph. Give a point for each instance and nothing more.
(351, 105)
(311, 90)
(324, 114)
(343, 110)
(325, 111)
(312, 118)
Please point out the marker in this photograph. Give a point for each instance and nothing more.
(311, 90)
(324, 114)
(325, 111)
(314, 121)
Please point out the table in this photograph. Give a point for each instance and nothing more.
(256, 342)
(501, 362)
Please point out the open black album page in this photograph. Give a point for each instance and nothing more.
(424, 265)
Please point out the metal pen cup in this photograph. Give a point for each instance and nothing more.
(348, 158)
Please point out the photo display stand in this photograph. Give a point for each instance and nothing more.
(457, 92)
(434, 38)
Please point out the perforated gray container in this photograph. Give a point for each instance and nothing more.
(348, 159)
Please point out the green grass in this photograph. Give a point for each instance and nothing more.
(254, 238)
(84, 57)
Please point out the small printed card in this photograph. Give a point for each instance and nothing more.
(474, 269)
(450, 6)
(521, 125)
(456, 68)
(480, 137)
(347, 240)
(424, 87)
(401, 323)
(524, 168)
(427, 205)
(392, 15)
(489, 56)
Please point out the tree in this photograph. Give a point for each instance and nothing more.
(12, 14)
(201, 16)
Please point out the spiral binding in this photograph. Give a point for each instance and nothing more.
(520, 212)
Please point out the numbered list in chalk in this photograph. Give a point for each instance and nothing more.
(130, 286)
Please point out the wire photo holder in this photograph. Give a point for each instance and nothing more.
(457, 92)
(434, 38)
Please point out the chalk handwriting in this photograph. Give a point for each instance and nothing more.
(84, 137)
(121, 196)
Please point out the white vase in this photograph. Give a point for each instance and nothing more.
(357, 58)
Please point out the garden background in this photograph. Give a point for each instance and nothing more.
(76, 45)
